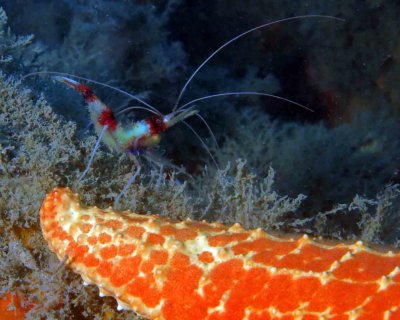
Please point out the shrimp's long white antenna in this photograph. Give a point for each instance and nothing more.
(209, 129)
(238, 37)
(92, 81)
(137, 108)
(224, 94)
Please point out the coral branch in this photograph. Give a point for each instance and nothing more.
(198, 270)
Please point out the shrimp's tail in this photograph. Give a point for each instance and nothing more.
(87, 93)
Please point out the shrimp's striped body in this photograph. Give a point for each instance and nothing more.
(196, 270)
(133, 139)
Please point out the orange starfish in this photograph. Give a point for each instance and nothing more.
(17, 311)
(198, 270)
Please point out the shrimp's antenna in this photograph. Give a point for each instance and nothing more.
(208, 128)
(138, 108)
(202, 143)
(252, 93)
(240, 36)
(95, 82)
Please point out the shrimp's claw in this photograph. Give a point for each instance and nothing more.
(87, 93)
(176, 117)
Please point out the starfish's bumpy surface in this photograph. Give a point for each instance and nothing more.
(198, 270)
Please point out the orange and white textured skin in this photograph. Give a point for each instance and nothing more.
(198, 270)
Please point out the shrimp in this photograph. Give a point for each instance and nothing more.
(142, 135)
(139, 136)
(133, 140)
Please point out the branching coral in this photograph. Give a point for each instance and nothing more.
(373, 220)
(236, 195)
(10, 44)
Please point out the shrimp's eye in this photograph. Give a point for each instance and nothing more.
(156, 124)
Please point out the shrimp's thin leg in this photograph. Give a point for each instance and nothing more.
(129, 183)
(96, 146)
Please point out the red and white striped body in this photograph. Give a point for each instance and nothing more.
(140, 135)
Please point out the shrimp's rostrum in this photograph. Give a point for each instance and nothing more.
(197, 270)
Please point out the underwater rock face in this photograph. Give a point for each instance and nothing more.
(198, 270)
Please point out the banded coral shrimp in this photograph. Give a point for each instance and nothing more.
(136, 139)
